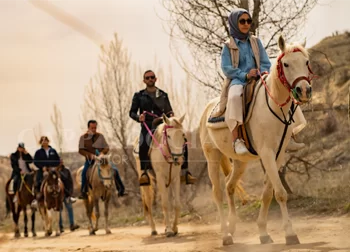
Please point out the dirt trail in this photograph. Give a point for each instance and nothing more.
(316, 234)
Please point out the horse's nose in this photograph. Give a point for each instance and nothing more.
(299, 90)
(176, 159)
(309, 91)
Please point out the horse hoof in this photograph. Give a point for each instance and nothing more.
(17, 235)
(34, 234)
(227, 241)
(170, 234)
(92, 232)
(265, 239)
(108, 231)
(292, 240)
(154, 233)
(25, 234)
(58, 234)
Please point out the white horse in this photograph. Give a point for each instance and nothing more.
(290, 76)
(166, 157)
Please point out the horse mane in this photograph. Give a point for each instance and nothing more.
(103, 161)
(289, 49)
(174, 122)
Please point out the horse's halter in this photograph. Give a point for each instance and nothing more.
(165, 142)
(284, 81)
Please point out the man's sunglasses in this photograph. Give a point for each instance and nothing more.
(243, 21)
(150, 77)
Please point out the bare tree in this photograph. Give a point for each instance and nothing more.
(56, 119)
(203, 25)
(108, 99)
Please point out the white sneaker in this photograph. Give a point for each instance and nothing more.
(239, 147)
(15, 199)
(34, 204)
(72, 200)
(294, 146)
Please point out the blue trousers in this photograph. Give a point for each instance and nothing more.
(69, 208)
(118, 182)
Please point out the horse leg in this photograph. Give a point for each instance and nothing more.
(56, 222)
(97, 213)
(25, 221)
(213, 158)
(176, 190)
(89, 207)
(265, 204)
(164, 192)
(108, 231)
(268, 159)
(15, 216)
(33, 222)
(47, 219)
(231, 183)
(147, 201)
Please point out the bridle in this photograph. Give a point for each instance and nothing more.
(290, 87)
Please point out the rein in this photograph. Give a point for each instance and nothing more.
(25, 184)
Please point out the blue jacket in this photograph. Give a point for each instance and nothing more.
(41, 159)
(246, 61)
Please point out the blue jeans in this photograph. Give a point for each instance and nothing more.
(69, 208)
(83, 175)
(118, 182)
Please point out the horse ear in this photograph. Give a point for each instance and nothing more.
(281, 43)
(304, 43)
(182, 118)
(166, 119)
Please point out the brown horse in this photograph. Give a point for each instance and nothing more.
(100, 181)
(25, 196)
(52, 190)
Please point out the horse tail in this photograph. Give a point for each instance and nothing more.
(8, 207)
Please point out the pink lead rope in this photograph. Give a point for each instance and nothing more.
(154, 139)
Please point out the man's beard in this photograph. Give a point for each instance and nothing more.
(151, 84)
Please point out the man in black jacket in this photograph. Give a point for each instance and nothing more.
(20, 161)
(67, 180)
(155, 101)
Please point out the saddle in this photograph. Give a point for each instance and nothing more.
(217, 119)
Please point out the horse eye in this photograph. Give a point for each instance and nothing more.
(169, 137)
(285, 64)
(307, 63)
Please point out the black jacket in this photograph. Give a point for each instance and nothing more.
(41, 159)
(143, 102)
(67, 180)
(14, 161)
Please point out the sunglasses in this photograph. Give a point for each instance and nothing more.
(150, 77)
(243, 21)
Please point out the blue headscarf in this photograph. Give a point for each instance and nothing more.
(233, 23)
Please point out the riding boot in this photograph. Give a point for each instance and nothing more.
(83, 193)
(186, 176)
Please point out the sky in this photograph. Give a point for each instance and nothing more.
(44, 61)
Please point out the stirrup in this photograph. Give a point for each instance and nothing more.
(144, 183)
